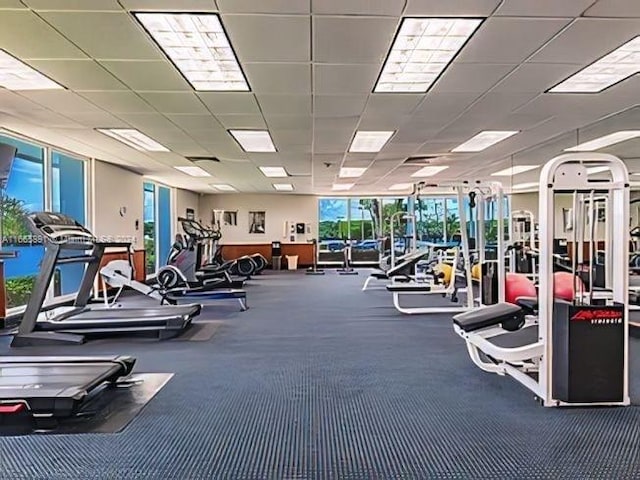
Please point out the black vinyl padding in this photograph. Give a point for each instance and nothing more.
(485, 317)
(407, 288)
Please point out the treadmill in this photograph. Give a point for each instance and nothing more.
(68, 242)
(46, 389)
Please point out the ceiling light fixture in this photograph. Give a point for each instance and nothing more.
(515, 170)
(484, 140)
(283, 187)
(254, 141)
(369, 141)
(430, 171)
(223, 187)
(17, 75)
(198, 46)
(274, 172)
(422, 50)
(134, 138)
(601, 142)
(351, 172)
(613, 68)
(401, 186)
(338, 187)
(194, 171)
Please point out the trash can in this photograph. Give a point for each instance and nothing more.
(276, 262)
(292, 262)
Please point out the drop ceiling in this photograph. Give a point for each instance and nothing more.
(312, 66)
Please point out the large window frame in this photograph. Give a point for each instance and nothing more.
(159, 257)
(48, 178)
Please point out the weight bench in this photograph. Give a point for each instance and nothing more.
(490, 316)
(375, 275)
(178, 295)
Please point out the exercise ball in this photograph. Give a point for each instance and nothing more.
(518, 285)
(445, 271)
(476, 271)
(565, 285)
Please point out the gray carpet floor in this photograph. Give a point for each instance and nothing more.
(321, 380)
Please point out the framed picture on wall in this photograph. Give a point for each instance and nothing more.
(257, 222)
(230, 218)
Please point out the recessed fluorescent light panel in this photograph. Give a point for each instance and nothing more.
(223, 187)
(194, 171)
(198, 46)
(369, 141)
(525, 186)
(422, 50)
(598, 143)
(134, 138)
(342, 186)
(594, 170)
(351, 172)
(273, 172)
(613, 68)
(16, 75)
(430, 170)
(283, 187)
(508, 172)
(484, 140)
(401, 186)
(254, 141)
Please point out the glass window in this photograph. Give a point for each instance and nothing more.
(391, 206)
(149, 201)
(430, 219)
(68, 197)
(164, 224)
(24, 194)
(333, 229)
(453, 219)
(364, 216)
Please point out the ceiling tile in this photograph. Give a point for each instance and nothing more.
(289, 122)
(352, 39)
(283, 137)
(375, 121)
(509, 40)
(285, 104)
(615, 8)
(289, 78)
(280, 7)
(392, 104)
(586, 40)
(230, 102)
(497, 103)
(534, 77)
(96, 119)
(344, 79)
(338, 105)
(151, 121)
(25, 35)
(242, 121)
(170, 5)
(466, 8)
(253, 38)
(348, 124)
(73, 5)
(88, 30)
(356, 7)
(147, 76)
(118, 102)
(78, 74)
(470, 77)
(12, 4)
(175, 102)
(62, 101)
(198, 122)
(543, 8)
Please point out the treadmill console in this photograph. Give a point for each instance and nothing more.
(58, 228)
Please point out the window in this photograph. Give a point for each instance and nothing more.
(157, 225)
(364, 219)
(333, 229)
(68, 197)
(24, 194)
(149, 220)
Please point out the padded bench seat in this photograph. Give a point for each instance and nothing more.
(409, 288)
(485, 317)
(379, 275)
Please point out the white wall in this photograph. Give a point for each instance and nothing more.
(279, 209)
(114, 188)
(185, 199)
